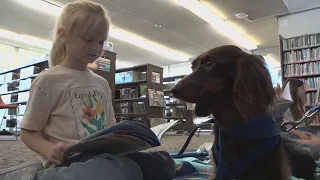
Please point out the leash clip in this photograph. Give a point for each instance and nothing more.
(294, 125)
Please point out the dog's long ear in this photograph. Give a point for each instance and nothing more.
(202, 110)
(253, 92)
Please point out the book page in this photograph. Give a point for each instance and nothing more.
(160, 130)
(280, 107)
(286, 93)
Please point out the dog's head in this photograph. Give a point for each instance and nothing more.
(226, 74)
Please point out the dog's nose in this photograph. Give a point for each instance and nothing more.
(175, 90)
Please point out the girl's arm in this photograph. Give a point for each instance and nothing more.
(37, 142)
(35, 118)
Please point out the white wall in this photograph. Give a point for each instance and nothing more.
(299, 24)
(298, 5)
(177, 69)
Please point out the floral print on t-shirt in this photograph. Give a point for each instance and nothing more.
(88, 105)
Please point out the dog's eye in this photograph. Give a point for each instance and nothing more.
(208, 64)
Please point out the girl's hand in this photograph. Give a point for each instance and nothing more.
(305, 135)
(56, 153)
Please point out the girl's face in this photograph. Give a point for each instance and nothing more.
(301, 92)
(85, 47)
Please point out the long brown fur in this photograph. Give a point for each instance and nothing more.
(233, 85)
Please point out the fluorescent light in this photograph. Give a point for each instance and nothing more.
(217, 23)
(148, 45)
(42, 6)
(117, 33)
(25, 39)
(272, 63)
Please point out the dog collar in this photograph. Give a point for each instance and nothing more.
(258, 127)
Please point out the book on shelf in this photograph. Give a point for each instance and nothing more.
(301, 41)
(301, 59)
(301, 56)
(310, 83)
(121, 139)
(132, 93)
(156, 98)
(130, 107)
(312, 68)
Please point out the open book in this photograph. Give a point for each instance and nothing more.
(122, 138)
(282, 104)
(280, 107)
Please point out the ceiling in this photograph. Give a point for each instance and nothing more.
(180, 29)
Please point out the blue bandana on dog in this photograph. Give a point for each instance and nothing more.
(256, 128)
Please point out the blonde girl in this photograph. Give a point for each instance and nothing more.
(68, 101)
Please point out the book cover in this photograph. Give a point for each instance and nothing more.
(122, 138)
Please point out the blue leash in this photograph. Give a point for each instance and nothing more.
(294, 124)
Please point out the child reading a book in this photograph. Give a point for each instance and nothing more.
(69, 102)
(303, 134)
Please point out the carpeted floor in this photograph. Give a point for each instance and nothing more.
(15, 152)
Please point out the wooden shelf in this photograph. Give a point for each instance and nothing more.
(300, 48)
(176, 104)
(175, 118)
(137, 89)
(303, 76)
(131, 100)
(302, 62)
(130, 84)
(131, 114)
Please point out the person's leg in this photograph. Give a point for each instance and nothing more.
(157, 165)
(101, 167)
(313, 142)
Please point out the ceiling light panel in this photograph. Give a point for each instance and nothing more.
(51, 9)
(217, 23)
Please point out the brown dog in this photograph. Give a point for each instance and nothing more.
(234, 86)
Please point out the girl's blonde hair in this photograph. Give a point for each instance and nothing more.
(77, 16)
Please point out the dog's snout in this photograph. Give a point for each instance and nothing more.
(176, 91)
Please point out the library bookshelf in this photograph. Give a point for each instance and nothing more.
(300, 58)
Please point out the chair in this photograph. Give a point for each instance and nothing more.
(7, 107)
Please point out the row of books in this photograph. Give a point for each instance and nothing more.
(310, 83)
(130, 107)
(311, 98)
(302, 41)
(301, 55)
(130, 93)
(302, 69)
